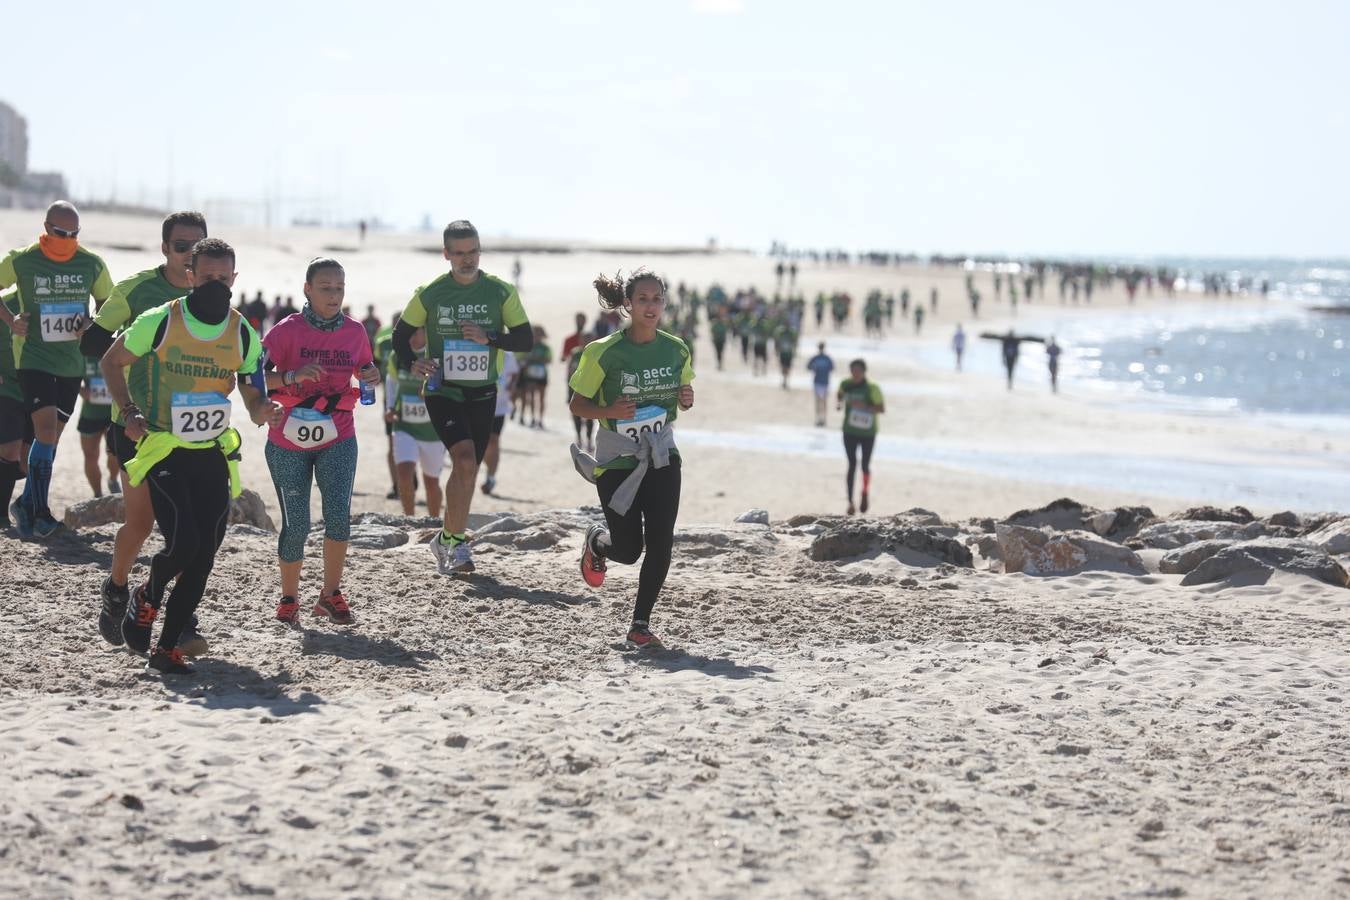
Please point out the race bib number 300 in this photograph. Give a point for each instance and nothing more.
(200, 416)
(647, 419)
(60, 321)
(861, 419)
(466, 361)
(309, 428)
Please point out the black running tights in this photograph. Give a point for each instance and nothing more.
(651, 517)
(190, 493)
(852, 443)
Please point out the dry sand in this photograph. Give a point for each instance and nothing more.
(814, 729)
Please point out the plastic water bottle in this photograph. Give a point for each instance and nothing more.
(367, 390)
(434, 379)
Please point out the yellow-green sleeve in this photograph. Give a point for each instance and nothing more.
(7, 274)
(589, 376)
(140, 336)
(513, 311)
(103, 284)
(687, 373)
(874, 395)
(415, 313)
(115, 314)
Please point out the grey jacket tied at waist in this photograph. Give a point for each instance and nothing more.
(652, 448)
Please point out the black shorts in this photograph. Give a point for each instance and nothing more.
(761, 351)
(122, 448)
(42, 389)
(464, 420)
(15, 422)
(498, 422)
(92, 426)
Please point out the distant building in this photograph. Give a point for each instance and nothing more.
(18, 186)
(13, 142)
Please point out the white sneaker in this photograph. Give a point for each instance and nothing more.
(462, 560)
(444, 554)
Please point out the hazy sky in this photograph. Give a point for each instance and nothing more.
(1074, 127)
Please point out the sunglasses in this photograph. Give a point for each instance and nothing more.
(61, 232)
(182, 246)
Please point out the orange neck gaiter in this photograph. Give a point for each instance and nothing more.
(58, 249)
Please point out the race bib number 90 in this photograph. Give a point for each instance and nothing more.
(200, 416)
(309, 428)
(647, 419)
(60, 321)
(466, 361)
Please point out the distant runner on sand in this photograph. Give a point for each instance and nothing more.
(861, 402)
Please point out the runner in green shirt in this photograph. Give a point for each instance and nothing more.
(862, 402)
(636, 382)
(414, 438)
(16, 426)
(55, 277)
(152, 288)
(470, 317)
(93, 427)
(534, 377)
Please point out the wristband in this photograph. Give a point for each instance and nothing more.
(288, 378)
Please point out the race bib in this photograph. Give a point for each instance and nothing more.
(199, 416)
(537, 371)
(60, 321)
(860, 419)
(309, 428)
(98, 393)
(413, 410)
(647, 419)
(466, 361)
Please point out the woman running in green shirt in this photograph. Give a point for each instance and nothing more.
(862, 402)
(636, 382)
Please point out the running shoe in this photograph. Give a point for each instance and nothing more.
(592, 563)
(862, 505)
(444, 554)
(851, 509)
(461, 562)
(489, 484)
(169, 661)
(334, 607)
(114, 486)
(23, 519)
(115, 600)
(392, 495)
(138, 621)
(288, 610)
(45, 525)
(640, 637)
(191, 641)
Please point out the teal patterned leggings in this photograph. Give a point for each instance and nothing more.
(334, 468)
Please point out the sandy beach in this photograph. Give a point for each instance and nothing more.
(881, 723)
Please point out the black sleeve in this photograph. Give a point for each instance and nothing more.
(402, 344)
(518, 339)
(95, 341)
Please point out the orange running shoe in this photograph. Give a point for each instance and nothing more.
(334, 608)
(592, 563)
(640, 637)
(288, 610)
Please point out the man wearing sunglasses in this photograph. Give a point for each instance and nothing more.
(55, 279)
(145, 290)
